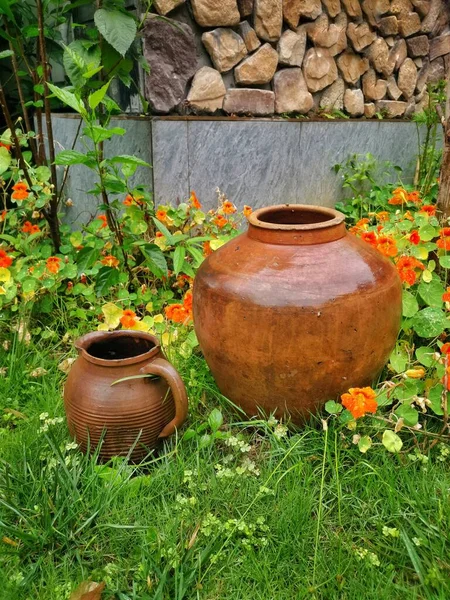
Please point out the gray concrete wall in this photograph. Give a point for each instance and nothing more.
(262, 161)
(256, 162)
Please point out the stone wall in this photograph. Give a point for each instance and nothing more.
(265, 57)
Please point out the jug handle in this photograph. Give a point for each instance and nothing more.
(164, 369)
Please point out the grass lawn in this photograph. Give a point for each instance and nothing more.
(264, 514)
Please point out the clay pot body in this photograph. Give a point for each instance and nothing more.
(137, 412)
(295, 311)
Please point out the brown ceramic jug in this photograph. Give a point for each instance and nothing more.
(295, 311)
(136, 412)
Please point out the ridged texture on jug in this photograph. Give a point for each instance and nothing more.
(295, 311)
(130, 413)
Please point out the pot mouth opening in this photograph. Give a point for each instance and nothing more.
(119, 348)
(300, 217)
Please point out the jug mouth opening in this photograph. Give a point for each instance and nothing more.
(300, 217)
(117, 347)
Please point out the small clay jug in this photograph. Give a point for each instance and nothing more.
(135, 413)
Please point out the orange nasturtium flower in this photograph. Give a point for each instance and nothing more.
(110, 261)
(187, 302)
(408, 216)
(7, 146)
(207, 250)
(20, 191)
(414, 237)
(360, 401)
(30, 228)
(405, 267)
(399, 196)
(5, 260)
(177, 313)
(228, 207)
(382, 216)
(429, 209)
(129, 200)
(444, 239)
(161, 214)
(370, 237)
(386, 245)
(104, 221)
(414, 197)
(128, 318)
(446, 298)
(220, 221)
(195, 202)
(53, 264)
(247, 211)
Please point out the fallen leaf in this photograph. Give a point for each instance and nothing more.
(39, 372)
(88, 590)
(65, 365)
(9, 541)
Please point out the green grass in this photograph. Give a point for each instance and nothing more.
(173, 529)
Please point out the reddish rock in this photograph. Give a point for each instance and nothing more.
(388, 26)
(391, 108)
(215, 13)
(225, 47)
(170, 51)
(268, 19)
(353, 8)
(361, 35)
(409, 24)
(407, 78)
(259, 68)
(291, 47)
(373, 88)
(352, 66)
(354, 102)
(319, 69)
(249, 36)
(291, 92)
(258, 103)
(418, 46)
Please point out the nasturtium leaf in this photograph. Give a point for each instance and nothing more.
(410, 305)
(427, 233)
(43, 174)
(431, 293)
(29, 285)
(5, 274)
(215, 244)
(215, 419)
(76, 239)
(429, 322)
(118, 28)
(48, 282)
(419, 252)
(364, 444)
(105, 279)
(399, 358)
(427, 276)
(425, 355)
(408, 414)
(112, 315)
(5, 159)
(444, 261)
(178, 259)
(435, 397)
(333, 408)
(391, 441)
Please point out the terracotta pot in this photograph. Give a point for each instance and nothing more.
(295, 311)
(137, 412)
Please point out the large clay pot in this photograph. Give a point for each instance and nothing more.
(137, 412)
(295, 311)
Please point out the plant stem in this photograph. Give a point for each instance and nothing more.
(17, 148)
(53, 213)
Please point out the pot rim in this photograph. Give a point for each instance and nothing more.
(84, 342)
(332, 217)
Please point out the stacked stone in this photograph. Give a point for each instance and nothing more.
(296, 56)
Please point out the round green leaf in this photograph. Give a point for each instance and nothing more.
(435, 397)
(5, 159)
(425, 356)
(364, 444)
(410, 305)
(391, 441)
(333, 408)
(444, 261)
(399, 358)
(429, 322)
(431, 293)
(427, 233)
(408, 414)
